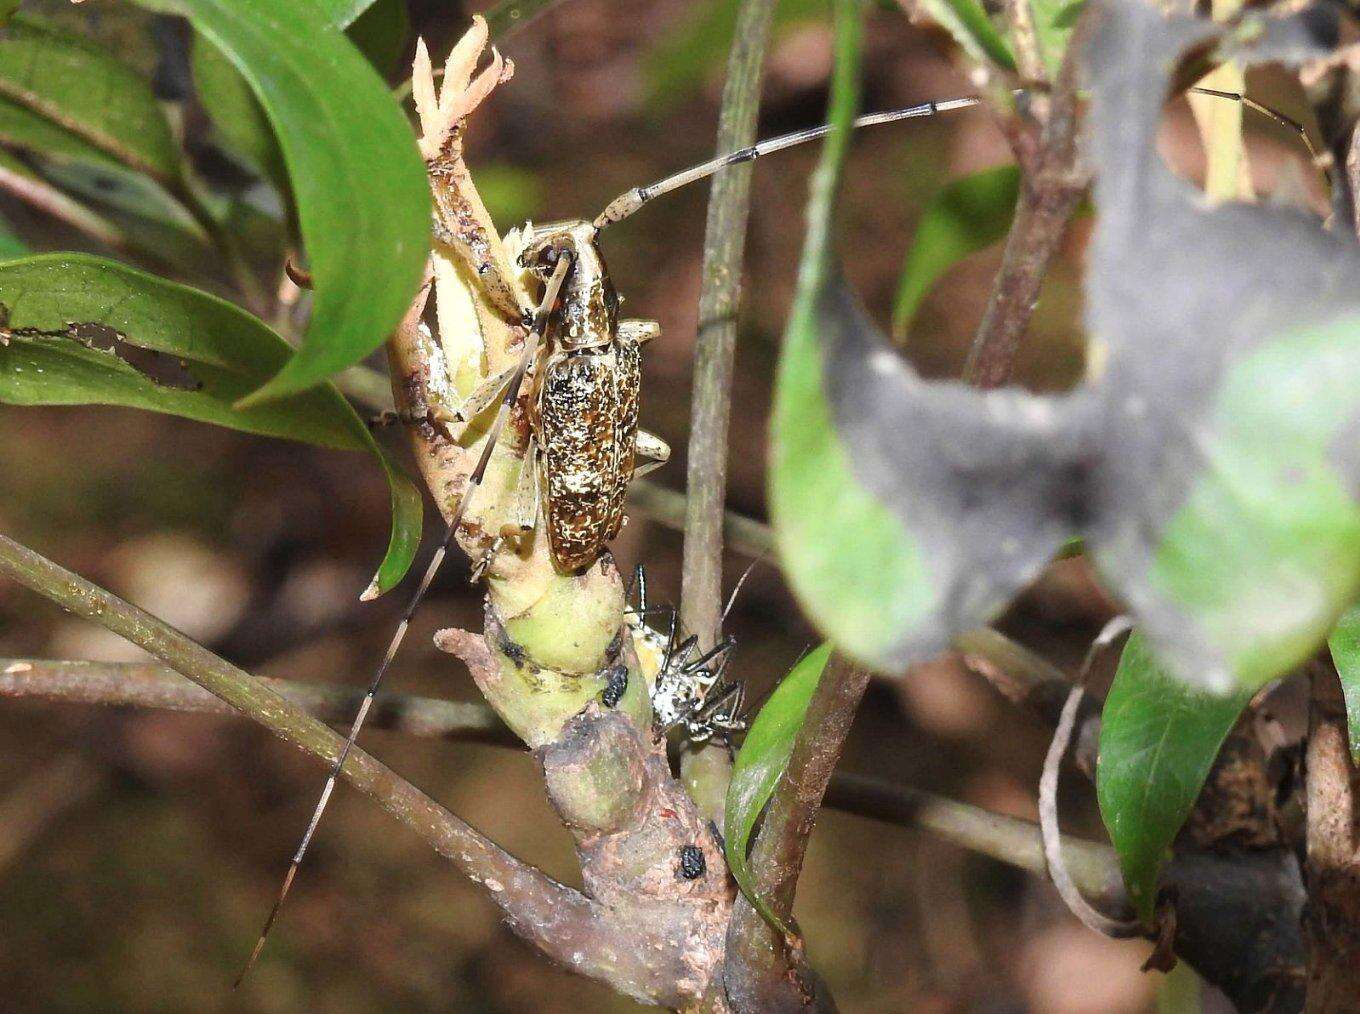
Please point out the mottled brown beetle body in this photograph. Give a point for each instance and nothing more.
(585, 402)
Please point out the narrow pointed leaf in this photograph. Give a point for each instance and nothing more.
(115, 336)
(1345, 647)
(972, 29)
(761, 763)
(76, 86)
(965, 216)
(1158, 739)
(355, 173)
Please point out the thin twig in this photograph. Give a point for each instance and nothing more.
(52, 201)
(729, 202)
(1053, 852)
(150, 685)
(1052, 183)
(758, 969)
(1048, 794)
(1025, 42)
(1333, 856)
(1094, 867)
(715, 346)
(553, 917)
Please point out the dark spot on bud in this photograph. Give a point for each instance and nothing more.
(692, 862)
(512, 650)
(616, 685)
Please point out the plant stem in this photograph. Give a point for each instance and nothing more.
(553, 917)
(729, 204)
(1333, 856)
(148, 685)
(1051, 184)
(715, 345)
(52, 201)
(760, 971)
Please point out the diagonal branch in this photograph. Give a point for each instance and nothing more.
(557, 920)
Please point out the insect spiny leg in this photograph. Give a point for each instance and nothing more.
(540, 323)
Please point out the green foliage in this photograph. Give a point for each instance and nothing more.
(830, 532)
(972, 29)
(240, 122)
(62, 86)
(761, 763)
(1053, 24)
(114, 336)
(965, 216)
(357, 178)
(1345, 648)
(907, 512)
(1158, 740)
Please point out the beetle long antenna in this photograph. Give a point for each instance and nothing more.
(1274, 115)
(630, 201)
(531, 342)
(627, 203)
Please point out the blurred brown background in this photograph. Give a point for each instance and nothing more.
(139, 851)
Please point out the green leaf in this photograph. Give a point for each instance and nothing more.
(1345, 647)
(966, 216)
(972, 29)
(1053, 24)
(7, 8)
(344, 13)
(72, 83)
(356, 175)
(240, 122)
(811, 487)
(761, 763)
(115, 336)
(1158, 739)
(31, 132)
(887, 542)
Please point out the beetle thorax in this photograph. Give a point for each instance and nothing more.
(589, 302)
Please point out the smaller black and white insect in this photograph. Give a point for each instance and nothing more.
(691, 691)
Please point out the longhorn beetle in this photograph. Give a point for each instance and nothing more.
(584, 411)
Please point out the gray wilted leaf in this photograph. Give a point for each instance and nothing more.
(1210, 463)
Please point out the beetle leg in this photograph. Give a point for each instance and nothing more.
(527, 493)
(652, 448)
(640, 331)
(481, 398)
